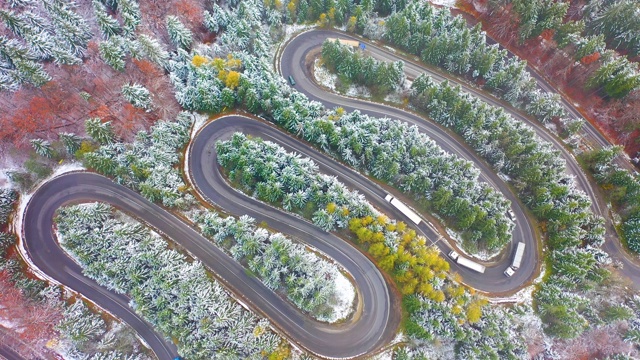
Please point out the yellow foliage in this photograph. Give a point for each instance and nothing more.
(222, 75)
(378, 250)
(283, 351)
(377, 237)
(438, 296)
(345, 211)
(401, 226)
(331, 207)
(388, 262)
(474, 311)
(233, 80)
(409, 287)
(351, 24)
(218, 64)
(199, 60)
(233, 63)
(85, 147)
(292, 9)
(382, 220)
(367, 220)
(425, 289)
(258, 330)
(355, 224)
(456, 310)
(323, 21)
(332, 15)
(364, 234)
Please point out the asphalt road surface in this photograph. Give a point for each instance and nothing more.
(374, 327)
(293, 62)
(6, 353)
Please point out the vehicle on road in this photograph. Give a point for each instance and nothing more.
(509, 272)
(403, 209)
(517, 260)
(291, 80)
(466, 262)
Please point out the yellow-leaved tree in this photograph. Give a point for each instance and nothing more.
(233, 80)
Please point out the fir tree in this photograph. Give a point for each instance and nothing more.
(179, 34)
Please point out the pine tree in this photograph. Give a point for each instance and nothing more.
(151, 48)
(113, 53)
(70, 141)
(99, 131)
(42, 147)
(137, 95)
(179, 34)
(108, 25)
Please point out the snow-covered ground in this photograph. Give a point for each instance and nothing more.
(325, 78)
(345, 295)
(199, 122)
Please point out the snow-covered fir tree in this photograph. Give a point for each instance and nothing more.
(179, 34)
(137, 95)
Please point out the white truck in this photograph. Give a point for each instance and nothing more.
(517, 260)
(466, 262)
(403, 209)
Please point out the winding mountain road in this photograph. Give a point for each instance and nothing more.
(378, 316)
(294, 61)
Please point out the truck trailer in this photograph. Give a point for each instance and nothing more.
(467, 263)
(517, 260)
(403, 209)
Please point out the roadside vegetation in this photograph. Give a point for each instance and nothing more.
(438, 308)
(588, 49)
(148, 164)
(111, 68)
(43, 319)
(126, 257)
(389, 150)
(440, 39)
(379, 76)
(286, 267)
(622, 190)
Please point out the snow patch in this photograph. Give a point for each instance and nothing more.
(8, 324)
(199, 122)
(329, 80)
(345, 295)
(445, 3)
(291, 30)
(323, 76)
